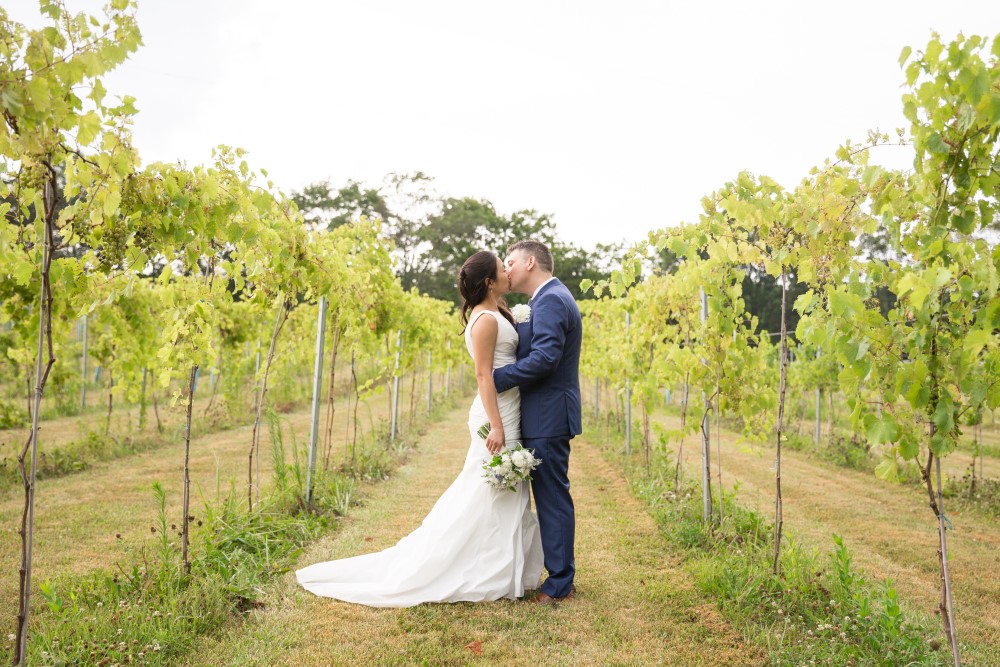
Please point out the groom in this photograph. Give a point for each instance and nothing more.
(547, 372)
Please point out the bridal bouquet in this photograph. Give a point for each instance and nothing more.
(509, 468)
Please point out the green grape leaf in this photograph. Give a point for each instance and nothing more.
(21, 271)
(904, 55)
(909, 447)
(881, 431)
(804, 301)
(917, 288)
(942, 443)
(11, 99)
(887, 470)
(936, 144)
(976, 340)
(992, 110)
(88, 128)
(944, 415)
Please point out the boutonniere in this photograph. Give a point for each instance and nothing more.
(521, 313)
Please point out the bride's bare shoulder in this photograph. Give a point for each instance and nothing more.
(483, 327)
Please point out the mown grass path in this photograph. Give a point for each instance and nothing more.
(636, 604)
(79, 517)
(888, 528)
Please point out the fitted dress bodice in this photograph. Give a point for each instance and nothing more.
(509, 401)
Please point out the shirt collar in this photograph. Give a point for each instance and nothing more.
(539, 288)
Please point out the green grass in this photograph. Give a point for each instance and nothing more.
(818, 610)
(635, 605)
(83, 452)
(148, 610)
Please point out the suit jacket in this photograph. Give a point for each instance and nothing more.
(547, 369)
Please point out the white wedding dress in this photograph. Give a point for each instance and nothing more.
(476, 544)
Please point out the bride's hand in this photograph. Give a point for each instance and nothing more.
(495, 440)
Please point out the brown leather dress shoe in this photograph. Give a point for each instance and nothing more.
(545, 599)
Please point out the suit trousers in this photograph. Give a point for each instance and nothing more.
(556, 517)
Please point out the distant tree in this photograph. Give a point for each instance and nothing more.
(762, 296)
(433, 236)
(323, 208)
(573, 264)
(412, 202)
(875, 247)
(461, 228)
(403, 203)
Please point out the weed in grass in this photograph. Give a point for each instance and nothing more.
(974, 492)
(818, 609)
(12, 416)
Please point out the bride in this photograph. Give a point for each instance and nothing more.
(477, 543)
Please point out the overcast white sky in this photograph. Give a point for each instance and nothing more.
(616, 117)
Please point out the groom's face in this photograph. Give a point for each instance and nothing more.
(517, 270)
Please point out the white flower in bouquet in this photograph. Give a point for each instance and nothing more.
(509, 468)
(520, 458)
(521, 312)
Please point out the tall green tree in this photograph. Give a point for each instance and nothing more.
(462, 227)
(434, 235)
(322, 208)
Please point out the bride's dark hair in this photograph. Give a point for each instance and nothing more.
(479, 268)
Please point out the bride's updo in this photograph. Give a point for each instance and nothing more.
(472, 284)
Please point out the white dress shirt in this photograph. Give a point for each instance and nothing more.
(540, 287)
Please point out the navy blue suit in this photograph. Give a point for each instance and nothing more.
(547, 371)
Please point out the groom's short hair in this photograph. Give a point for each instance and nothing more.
(536, 249)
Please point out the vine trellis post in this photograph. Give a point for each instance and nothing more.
(395, 388)
(447, 373)
(819, 396)
(430, 383)
(83, 368)
(706, 444)
(628, 396)
(317, 390)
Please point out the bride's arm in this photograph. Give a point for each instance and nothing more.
(484, 342)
